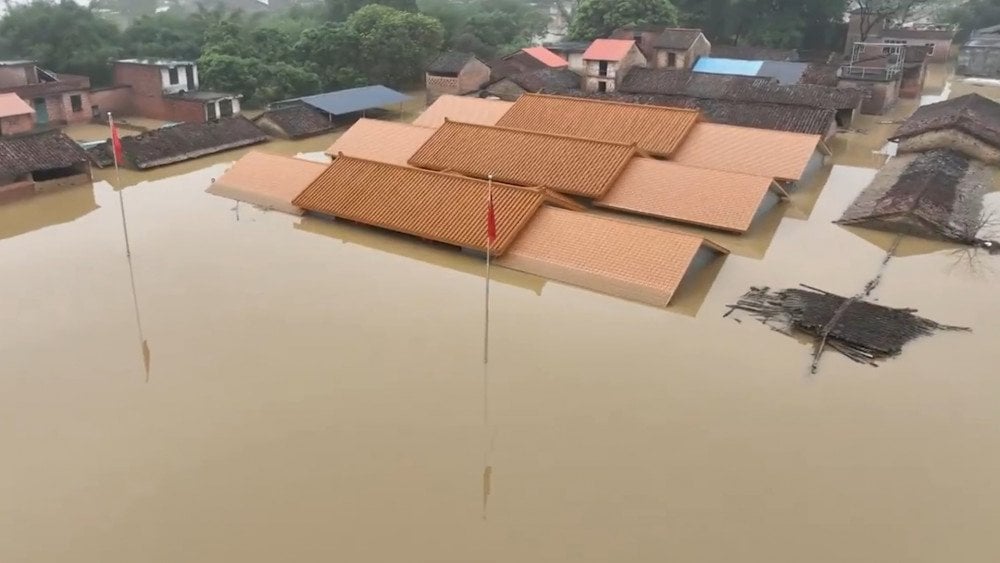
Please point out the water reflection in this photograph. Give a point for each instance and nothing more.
(43, 210)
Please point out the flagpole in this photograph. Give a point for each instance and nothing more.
(489, 248)
(118, 178)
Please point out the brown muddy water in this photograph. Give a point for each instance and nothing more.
(316, 393)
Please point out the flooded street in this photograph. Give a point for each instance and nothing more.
(316, 392)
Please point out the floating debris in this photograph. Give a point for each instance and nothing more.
(862, 331)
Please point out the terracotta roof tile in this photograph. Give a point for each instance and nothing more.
(384, 141)
(548, 57)
(628, 260)
(462, 108)
(267, 180)
(608, 49)
(760, 152)
(12, 104)
(657, 130)
(441, 207)
(570, 165)
(720, 200)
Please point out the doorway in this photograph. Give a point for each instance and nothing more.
(41, 111)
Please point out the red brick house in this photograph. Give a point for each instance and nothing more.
(16, 116)
(56, 98)
(167, 90)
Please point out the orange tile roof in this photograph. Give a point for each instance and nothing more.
(710, 198)
(760, 152)
(608, 49)
(655, 129)
(570, 165)
(430, 205)
(384, 141)
(462, 108)
(548, 57)
(12, 104)
(629, 260)
(267, 180)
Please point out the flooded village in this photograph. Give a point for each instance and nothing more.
(234, 334)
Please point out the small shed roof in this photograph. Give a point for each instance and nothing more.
(295, 121)
(12, 105)
(450, 63)
(571, 165)
(431, 205)
(268, 180)
(547, 57)
(972, 114)
(667, 190)
(612, 50)
(782, 71)
(462, 108)
(383, 141)
(677, 39)
(637, 262)
(761, 152)
(657, 130)
(354, 100)
(31, 152)
(728, 66)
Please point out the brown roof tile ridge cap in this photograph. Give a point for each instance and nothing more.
(611, 102)
(341, 155)
(757, 129)
(540, 133)
(659, 228)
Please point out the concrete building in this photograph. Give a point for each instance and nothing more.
(16, 116)
(161, 89)
(980, 55)
(607, 61)
(572, 51)
(57, 98)
(455, 73)
(878, 69)
(667, 47)
(869, 27)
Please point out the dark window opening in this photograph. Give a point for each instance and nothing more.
(930, 49)
(225, 108)
(55, 173)
(76, 102)
(189, 74)
(602, 68)
(671, 59)
(602, 86)
(637, 38)
(95, 111)
(211, 111)
(174, 77)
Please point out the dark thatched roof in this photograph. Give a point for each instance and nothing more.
(185, 141)
(549, 80)
(936, 194)
(295, 121)
(30, 152)
(971, 114)
(677, 39)
(794, 119)
(737, 88)
(450, 63)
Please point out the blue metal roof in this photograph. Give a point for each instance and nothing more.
(728, 66)
(355, 99)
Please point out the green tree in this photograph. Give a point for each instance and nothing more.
(487, 27)
(973, 15)
(598, 18)
(340, 10)
(63, 37)
(395, 46)
(166, 35)
(332, 52)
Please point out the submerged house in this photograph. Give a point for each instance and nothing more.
(185, 141)
(980, 55)
(295, 122)
(462, 108)
(667, 47)
(968, 124)
(455, 73)
(935, 194)
(526, 60)
(606, 61)
(56, 98)
(36, 162)
(268, 181)
(16, 116)
(936, 37)
(550, 80)
(163, 89)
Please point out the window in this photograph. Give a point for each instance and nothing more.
(95, 112)
(602, 86)
(225, 108)
(210, 111)
(602, 68)
(637, 37)
(671, 60)
(174, 78)
(76, 102)
(930, 49)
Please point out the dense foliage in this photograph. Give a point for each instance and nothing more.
(598, 18)
(973, 15)
(488, 28)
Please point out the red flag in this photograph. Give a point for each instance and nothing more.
(116, 142)
(491, 220)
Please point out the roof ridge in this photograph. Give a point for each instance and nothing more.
(611, 102)
(341, 156)
(541, 133)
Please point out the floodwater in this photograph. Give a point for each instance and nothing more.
(316, 392)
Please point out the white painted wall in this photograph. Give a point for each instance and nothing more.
(182, 83)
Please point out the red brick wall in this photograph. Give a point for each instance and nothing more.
(117, 100)
(147, 95)
(145, 80)
(16, 124)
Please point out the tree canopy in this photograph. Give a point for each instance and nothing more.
(488, 28)
(973, 15)
(598, 18)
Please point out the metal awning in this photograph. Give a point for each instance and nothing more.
(352, 100)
